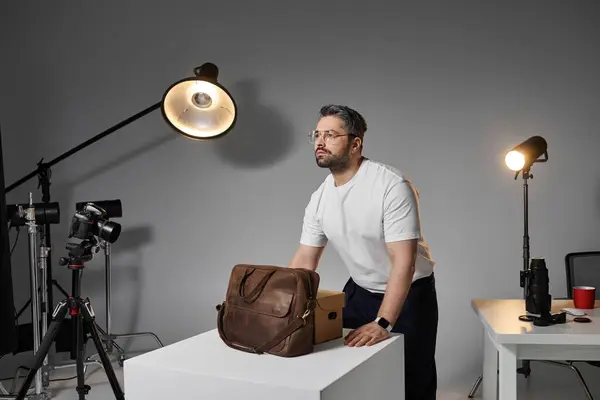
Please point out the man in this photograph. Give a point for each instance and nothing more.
(370, 214)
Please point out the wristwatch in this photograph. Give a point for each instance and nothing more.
(384, 323)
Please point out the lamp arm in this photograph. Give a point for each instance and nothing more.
(45, 166)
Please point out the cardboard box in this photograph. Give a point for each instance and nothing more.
(328, 315)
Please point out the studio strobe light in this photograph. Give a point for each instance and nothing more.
(45, 213)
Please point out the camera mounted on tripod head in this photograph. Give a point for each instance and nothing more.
(92, 220)
(89, 224)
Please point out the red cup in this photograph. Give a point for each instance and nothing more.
(584, 297)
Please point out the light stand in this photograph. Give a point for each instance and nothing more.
(526, 251)
(35, 300)
(43, 214)
(531, 150)
(520, 159)
(38, 306)
(197, 108)
(109, 337)
(525, 368)
(43, 172)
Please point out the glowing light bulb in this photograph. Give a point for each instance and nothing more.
(201, 100)
(515, 160)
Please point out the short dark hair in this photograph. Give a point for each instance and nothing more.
(353, 122)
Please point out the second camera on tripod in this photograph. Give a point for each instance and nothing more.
(92, 219)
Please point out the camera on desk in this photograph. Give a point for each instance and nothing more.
(538, 300)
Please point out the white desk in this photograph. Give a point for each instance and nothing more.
(203, 367)
(507, 340)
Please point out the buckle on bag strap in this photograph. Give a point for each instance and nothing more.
(310, 306)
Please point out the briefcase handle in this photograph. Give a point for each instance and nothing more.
(253, 295)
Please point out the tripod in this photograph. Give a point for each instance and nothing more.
(83, 315)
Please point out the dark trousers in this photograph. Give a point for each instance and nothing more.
(418, 322)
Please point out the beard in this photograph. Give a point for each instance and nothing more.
(335, 162)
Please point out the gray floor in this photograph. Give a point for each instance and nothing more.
(65, 389)
(546, 383)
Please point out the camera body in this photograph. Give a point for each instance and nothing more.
(90, 223)
(91, 220)
(538, 300)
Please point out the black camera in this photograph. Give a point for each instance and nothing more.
(92, 220)
(538, 300)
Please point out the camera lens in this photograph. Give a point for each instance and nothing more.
(109, 231)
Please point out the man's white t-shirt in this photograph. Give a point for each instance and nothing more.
(377, 206)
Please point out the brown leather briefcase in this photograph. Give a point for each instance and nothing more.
(269, 309)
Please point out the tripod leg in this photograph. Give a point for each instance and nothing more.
(88, 317)
(82, 388)
(58, 317)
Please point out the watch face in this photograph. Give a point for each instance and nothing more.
(383, 323)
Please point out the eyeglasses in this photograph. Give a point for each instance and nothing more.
(327, 135)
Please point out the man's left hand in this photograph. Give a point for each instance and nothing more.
(368, 335)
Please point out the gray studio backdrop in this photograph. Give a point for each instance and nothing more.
(446, 89)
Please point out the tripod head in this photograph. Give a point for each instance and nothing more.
(80, 253)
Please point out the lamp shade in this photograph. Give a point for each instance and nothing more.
(525, 154)
(199, 107)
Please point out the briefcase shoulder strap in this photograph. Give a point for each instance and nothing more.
(296, 324)
(292, 327)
